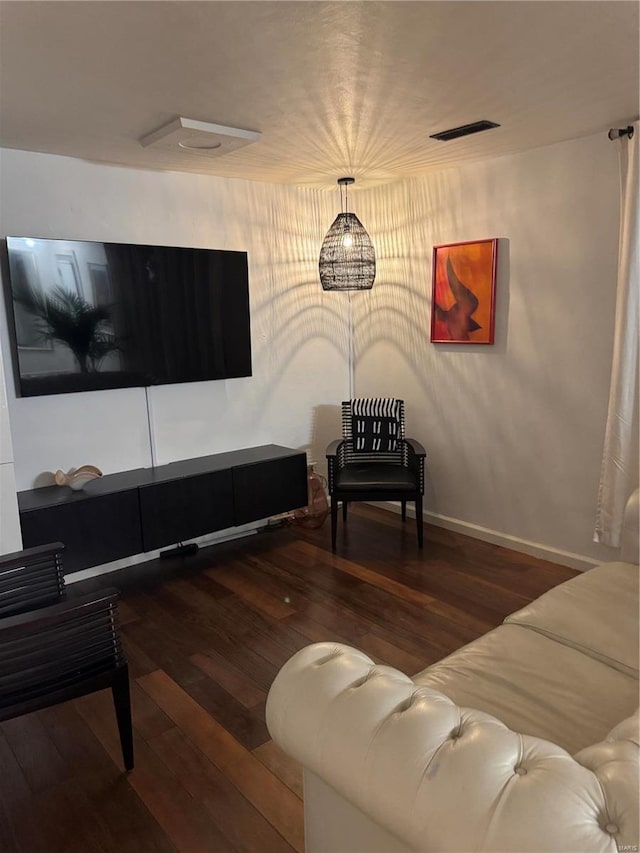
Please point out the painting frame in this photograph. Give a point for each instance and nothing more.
(464, 313)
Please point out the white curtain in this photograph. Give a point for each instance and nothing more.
(617, 480)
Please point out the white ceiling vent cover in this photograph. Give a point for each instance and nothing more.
(199, 137)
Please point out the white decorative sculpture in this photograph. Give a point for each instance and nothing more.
(77, 478)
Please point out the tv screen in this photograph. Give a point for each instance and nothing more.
(88, 316)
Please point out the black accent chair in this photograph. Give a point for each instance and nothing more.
(54, 648)
(374, 461)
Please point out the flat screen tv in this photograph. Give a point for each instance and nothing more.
(88, 316)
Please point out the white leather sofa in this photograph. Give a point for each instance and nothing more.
(524, 740)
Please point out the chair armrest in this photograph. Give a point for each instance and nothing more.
(35, 621)
(335, 461)
(58, 652)
(18, 559)
(332, 449)
(31, 578)
(416, 447)
(440, 777)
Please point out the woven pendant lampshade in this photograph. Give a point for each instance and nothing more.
(347, 256)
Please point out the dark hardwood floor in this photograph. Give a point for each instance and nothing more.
(205, 638)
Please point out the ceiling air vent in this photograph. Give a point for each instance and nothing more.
(465, 130)
(199, 137)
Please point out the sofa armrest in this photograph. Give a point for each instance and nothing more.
(439, 777)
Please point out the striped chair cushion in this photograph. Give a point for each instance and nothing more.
(375, 425)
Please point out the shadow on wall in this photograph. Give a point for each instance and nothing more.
(299, 333)
(325, 428)
(398, 309)
(290, 309)
(406, 221)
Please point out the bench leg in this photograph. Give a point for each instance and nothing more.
(419, 522)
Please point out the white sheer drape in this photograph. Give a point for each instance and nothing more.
(617, 480)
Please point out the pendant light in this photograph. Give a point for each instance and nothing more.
(347, 256)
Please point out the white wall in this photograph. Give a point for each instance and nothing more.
(298, 336)
(513, 431)
(10, 536)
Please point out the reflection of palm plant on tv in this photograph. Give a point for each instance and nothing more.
(64, 316)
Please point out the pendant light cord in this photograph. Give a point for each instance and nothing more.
(351, 352)
(152, 438)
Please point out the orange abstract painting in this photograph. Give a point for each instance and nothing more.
(464, 283)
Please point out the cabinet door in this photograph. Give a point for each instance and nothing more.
(263, 489)
(179, 510)
(95, 530)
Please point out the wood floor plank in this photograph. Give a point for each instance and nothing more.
(205, 638)
(273, 799)
(399, 590)
(148, 719)
(129, 822)
(247, 726)
(232, 679)
(168, 641)
(8, 838)
(237, 819)
(139, 662)
(38, 758)
(429, 603)
(249, 593)
(186, 826)
(17, 800)
(68, 822)
(284, 767)
(175, 643)
(126, 613)
(365, 606)
(316, 632)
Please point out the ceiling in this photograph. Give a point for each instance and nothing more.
(334, 88)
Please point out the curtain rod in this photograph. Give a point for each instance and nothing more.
(618, 132)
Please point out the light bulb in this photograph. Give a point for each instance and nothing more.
(347, 241)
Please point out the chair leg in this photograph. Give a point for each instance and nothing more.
(345, 504)
(334, 521)
(122, 703)
(419, 521)
(404, 510)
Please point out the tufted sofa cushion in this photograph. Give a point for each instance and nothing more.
(591, 613)
(536, 686)
(440, 777)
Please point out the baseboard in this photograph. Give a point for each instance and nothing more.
(495, 537)
(203, 541)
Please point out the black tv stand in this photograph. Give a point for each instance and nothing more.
(133, 512)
